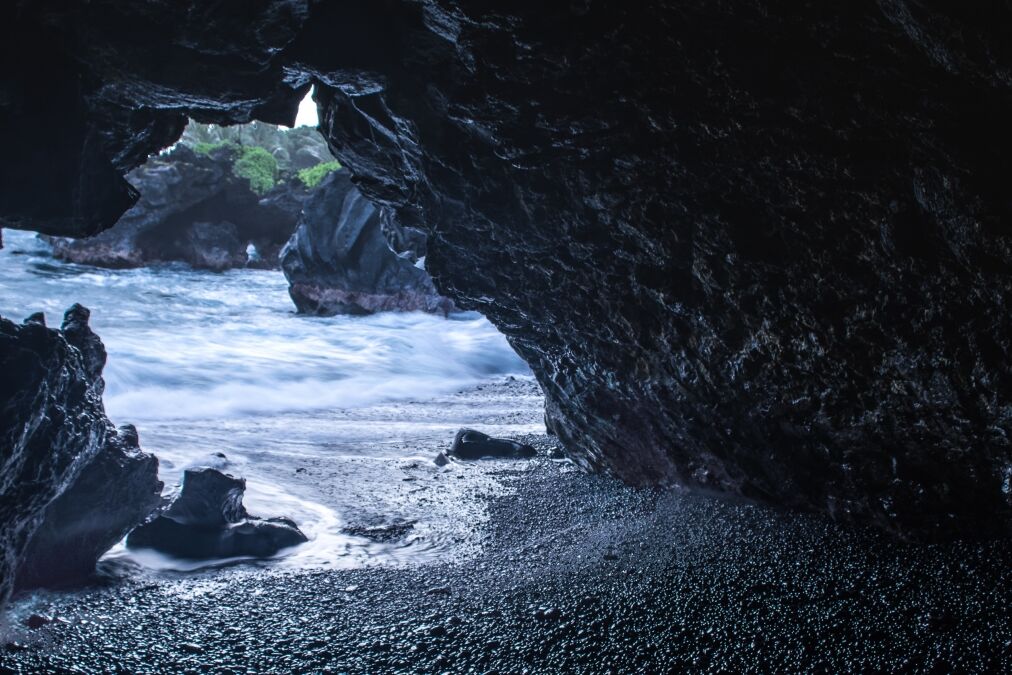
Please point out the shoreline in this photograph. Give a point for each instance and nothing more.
(565, 572)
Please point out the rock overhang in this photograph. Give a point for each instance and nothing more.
(757, 249)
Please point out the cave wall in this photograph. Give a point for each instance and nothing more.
(754, 246)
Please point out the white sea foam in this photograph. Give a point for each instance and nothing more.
(193, 345)
(205, 363)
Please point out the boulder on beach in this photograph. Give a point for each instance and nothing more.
(471, 444)
(117, 490)
(208, 520)
(51, 425)
(72, 484)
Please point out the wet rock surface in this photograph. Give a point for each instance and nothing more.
(208, 520)
(52, 423)
(756, 248)
(193, 209)
(575, 573)
(471, 444)
(118, 489)
(381, 532)
(757, 252)
(340, 261)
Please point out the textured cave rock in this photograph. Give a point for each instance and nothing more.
(193, 209)
(90, 89)
(340, 261)
(208, 520)
(52, 424)
(759, 247)
(118, 489)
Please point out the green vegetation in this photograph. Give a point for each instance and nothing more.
(251, 162)
(312, 176)
(208, 148)
(262, 153)
(258, 167)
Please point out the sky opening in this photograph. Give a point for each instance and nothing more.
(307, 111)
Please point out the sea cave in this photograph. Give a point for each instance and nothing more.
(433, 336)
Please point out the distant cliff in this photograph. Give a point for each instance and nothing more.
(223, 197)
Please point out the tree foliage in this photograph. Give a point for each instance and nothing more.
(258, 167)
(263, 153)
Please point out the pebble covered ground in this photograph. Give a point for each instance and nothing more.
(577, 574)
(568, 572)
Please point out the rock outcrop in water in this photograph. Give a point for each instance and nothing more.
(56, 440)
(207, 520)
(194, 209)
(118, 489)
(754, 247)
(340, 260)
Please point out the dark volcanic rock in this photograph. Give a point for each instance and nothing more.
(759, 247)
(51, 426)
(383, 532)
(195, 210)
(339, 259)
(208, 520)
(79, 334)
(471, 444)
(117, 490)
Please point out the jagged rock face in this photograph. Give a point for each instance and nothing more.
(753, 246)
(208, 520)
(117, 490)
(71, 484)
(195, 210)
(51, 426)
(92, 88)
(339, 259)
(748, 247)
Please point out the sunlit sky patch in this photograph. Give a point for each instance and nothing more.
(307, 112)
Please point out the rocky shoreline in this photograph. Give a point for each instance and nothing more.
(562, 571)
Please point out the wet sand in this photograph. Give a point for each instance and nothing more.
(537, 566)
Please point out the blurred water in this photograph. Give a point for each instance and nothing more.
(186, 344)
(219, 362)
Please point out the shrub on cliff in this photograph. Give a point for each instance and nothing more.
(208, 148)
(293, 149)
(258, 167)
(312, 176)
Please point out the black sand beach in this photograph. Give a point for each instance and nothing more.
(552, 570)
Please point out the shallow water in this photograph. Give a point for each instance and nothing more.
(208, 363)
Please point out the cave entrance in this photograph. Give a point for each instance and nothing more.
(264, 320)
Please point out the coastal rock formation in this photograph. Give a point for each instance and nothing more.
(52, 423)
(118, 489)
(756, 247)
(207, 520)
(293, 149)
(195, 209)
(471, 444)
(339, 260)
